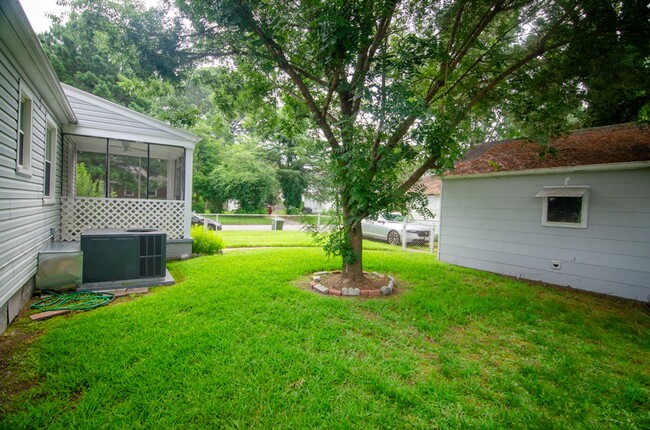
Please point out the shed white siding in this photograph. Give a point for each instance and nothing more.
(494, 223)
(25, 219)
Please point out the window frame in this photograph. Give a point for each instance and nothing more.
(25, 98)
(49, 196)
(569, 191)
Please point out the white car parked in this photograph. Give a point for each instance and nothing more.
(390, 227)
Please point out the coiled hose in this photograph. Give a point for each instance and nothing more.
(77, 301)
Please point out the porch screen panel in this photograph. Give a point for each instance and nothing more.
(166, 172)
(128, 169)
(90, 171)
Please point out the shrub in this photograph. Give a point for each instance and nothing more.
(205, 242)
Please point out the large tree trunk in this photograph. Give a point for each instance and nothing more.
(352, 258)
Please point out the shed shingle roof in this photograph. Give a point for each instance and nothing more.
(603, 145)
(432, 185)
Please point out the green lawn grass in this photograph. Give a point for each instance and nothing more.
(242, 219)
(234, 219)
(283, 238)
(237, 344)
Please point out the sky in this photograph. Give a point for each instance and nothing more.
(36, 10)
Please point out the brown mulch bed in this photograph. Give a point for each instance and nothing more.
(337, 282)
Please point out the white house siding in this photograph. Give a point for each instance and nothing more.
(494, 224)
(25, 221)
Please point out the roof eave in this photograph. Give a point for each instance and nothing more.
(631, 165)
(89, 131)
(109, 105)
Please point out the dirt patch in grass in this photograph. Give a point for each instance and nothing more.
(13, 346)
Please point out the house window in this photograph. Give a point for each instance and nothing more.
(564, 206)
(50, 161)
(24, 155)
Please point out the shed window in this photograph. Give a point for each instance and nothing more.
(564, 206)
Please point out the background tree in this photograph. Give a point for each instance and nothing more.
(85, 186)
(613, 69)
(244, 178)
(600, 77)
(82, 58)
(288, 142)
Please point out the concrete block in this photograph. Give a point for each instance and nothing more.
(28, 291)
(14, 305)
(4, 322)
(117, 293)
(143, 290)
(351, 291)
(321, 288)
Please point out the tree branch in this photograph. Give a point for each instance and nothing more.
(428, 164)
(405, 126)
(280, 58)
(309, 75)
(368, 53)
(539, 50)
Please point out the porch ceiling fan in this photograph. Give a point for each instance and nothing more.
(128, 147)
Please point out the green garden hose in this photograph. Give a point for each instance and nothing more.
(81, 301)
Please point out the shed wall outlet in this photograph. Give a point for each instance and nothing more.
(556, 265)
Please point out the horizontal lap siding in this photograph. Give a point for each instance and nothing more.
(495, 224)
(25, 221)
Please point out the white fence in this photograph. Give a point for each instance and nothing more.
(83, 213)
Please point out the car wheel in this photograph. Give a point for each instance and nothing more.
(393, 238)
(211, 227)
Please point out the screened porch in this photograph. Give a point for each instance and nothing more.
(118, 183)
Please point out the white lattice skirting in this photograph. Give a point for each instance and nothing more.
(83, 213)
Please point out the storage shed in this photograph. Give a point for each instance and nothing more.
(575, 212)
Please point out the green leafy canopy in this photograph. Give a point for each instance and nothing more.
(398, 88)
